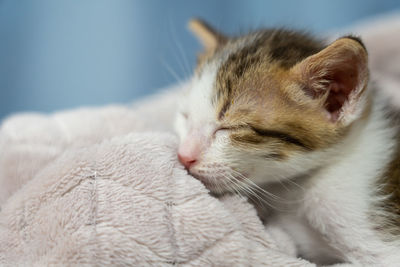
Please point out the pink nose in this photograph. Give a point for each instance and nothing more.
(187, 160)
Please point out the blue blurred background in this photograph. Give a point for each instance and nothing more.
(62, 54)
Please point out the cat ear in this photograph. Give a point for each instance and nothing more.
(337, 76)
(209, 37)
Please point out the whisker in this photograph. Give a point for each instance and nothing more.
(238, 189)
(185, 66)
(265, 193)
(296, 184)
(218, 187)
(171, 71)
(230, 180)
(250, 192)
(258, 188)
(244, 187)
(229, 186)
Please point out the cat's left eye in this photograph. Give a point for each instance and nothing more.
(221, 129)
(224, 129)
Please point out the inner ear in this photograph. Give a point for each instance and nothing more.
(340, 84)
(337, 76)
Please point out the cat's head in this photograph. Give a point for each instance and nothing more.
(268, 105)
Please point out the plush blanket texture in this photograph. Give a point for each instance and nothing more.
(103, 186)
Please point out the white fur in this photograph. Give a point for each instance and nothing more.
(327, 209)
(200, 116)
(197, 114)
(337, 201)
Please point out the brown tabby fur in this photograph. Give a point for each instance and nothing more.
(257, 85)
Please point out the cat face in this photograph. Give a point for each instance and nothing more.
(268, 106)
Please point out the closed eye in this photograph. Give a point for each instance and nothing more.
(285, 137)
(231, 128)
(222, 128)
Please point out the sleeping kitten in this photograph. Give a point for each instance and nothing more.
(283, 116)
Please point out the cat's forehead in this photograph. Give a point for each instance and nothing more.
(248, 72)
(252, 69)
(247, 82)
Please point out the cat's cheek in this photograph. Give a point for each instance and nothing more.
(217, 149)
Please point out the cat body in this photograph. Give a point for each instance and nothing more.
(279, 115)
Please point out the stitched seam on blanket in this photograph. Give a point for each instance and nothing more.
(142, 244)
(93, 216)
(54, 190)
(76, 185)
(70, 189)
(168, 205)
(202, 252)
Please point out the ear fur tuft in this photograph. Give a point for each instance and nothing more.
(355, 38)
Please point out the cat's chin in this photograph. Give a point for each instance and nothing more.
(211, 184)
(216, 185)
